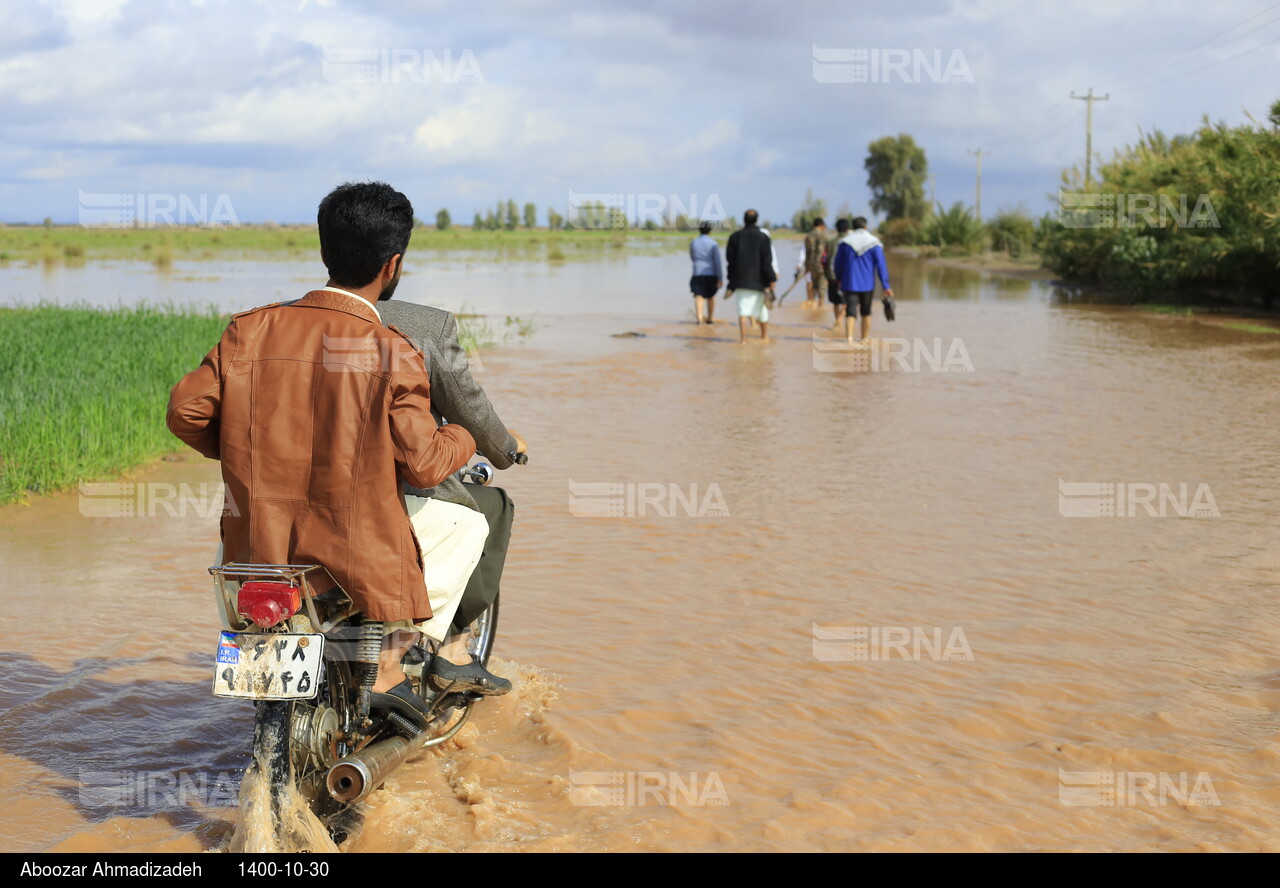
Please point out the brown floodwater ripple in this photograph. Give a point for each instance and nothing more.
(752, 604)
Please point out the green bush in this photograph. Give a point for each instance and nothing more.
(1216, 224)
(955, 231)
(900, 232)
(1134, 263)
(1012, 232)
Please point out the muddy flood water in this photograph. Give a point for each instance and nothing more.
(758, 598)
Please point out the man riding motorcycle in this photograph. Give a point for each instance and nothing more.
(318, 413)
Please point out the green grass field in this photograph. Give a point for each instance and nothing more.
(83, 391)
(72, 245)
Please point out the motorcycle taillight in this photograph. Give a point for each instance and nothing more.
(268, 603)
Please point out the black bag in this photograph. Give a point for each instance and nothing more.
(890, 308)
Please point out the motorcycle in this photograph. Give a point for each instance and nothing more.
(293, 643)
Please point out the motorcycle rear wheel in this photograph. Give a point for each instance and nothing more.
(272, 764)
(278, 756)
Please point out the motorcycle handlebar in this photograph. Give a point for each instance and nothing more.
(483, 473)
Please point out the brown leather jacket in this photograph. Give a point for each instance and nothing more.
(317, 412)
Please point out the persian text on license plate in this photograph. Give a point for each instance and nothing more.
(270, 666)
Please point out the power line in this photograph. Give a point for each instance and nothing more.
(1233, 27)
(1198, 70)
(1203, 46)
(1036, 132)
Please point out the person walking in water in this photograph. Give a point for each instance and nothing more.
(800, 272)
(859, 260)
(708, 274)
(815, 254)
(833, 282)
(752, 273)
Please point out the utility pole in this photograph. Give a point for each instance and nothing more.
(933, 190)
(979, 154)
(1088, 132)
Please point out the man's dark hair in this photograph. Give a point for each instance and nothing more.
(362, 225)
(818, 223)
(842, 225)
(860, 222)
(704, 228)
(750, 217)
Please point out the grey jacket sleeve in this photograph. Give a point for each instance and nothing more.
(456, 396)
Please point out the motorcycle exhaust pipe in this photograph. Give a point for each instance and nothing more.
(352, 778)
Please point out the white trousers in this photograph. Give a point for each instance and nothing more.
(451, 538)
(751, 304)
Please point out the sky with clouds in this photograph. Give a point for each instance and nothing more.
(459, 105)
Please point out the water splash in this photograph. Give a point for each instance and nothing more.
(284, 824)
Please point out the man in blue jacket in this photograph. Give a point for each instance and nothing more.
(859, 259)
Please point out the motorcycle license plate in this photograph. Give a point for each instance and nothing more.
(270, 666)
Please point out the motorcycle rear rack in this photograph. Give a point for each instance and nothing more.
(293, 574)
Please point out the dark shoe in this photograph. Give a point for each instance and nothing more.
(403, 700)
(470, 679)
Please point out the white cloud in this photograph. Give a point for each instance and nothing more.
(84, 15)
(618, 77)
(115, 95)
(704, 142)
